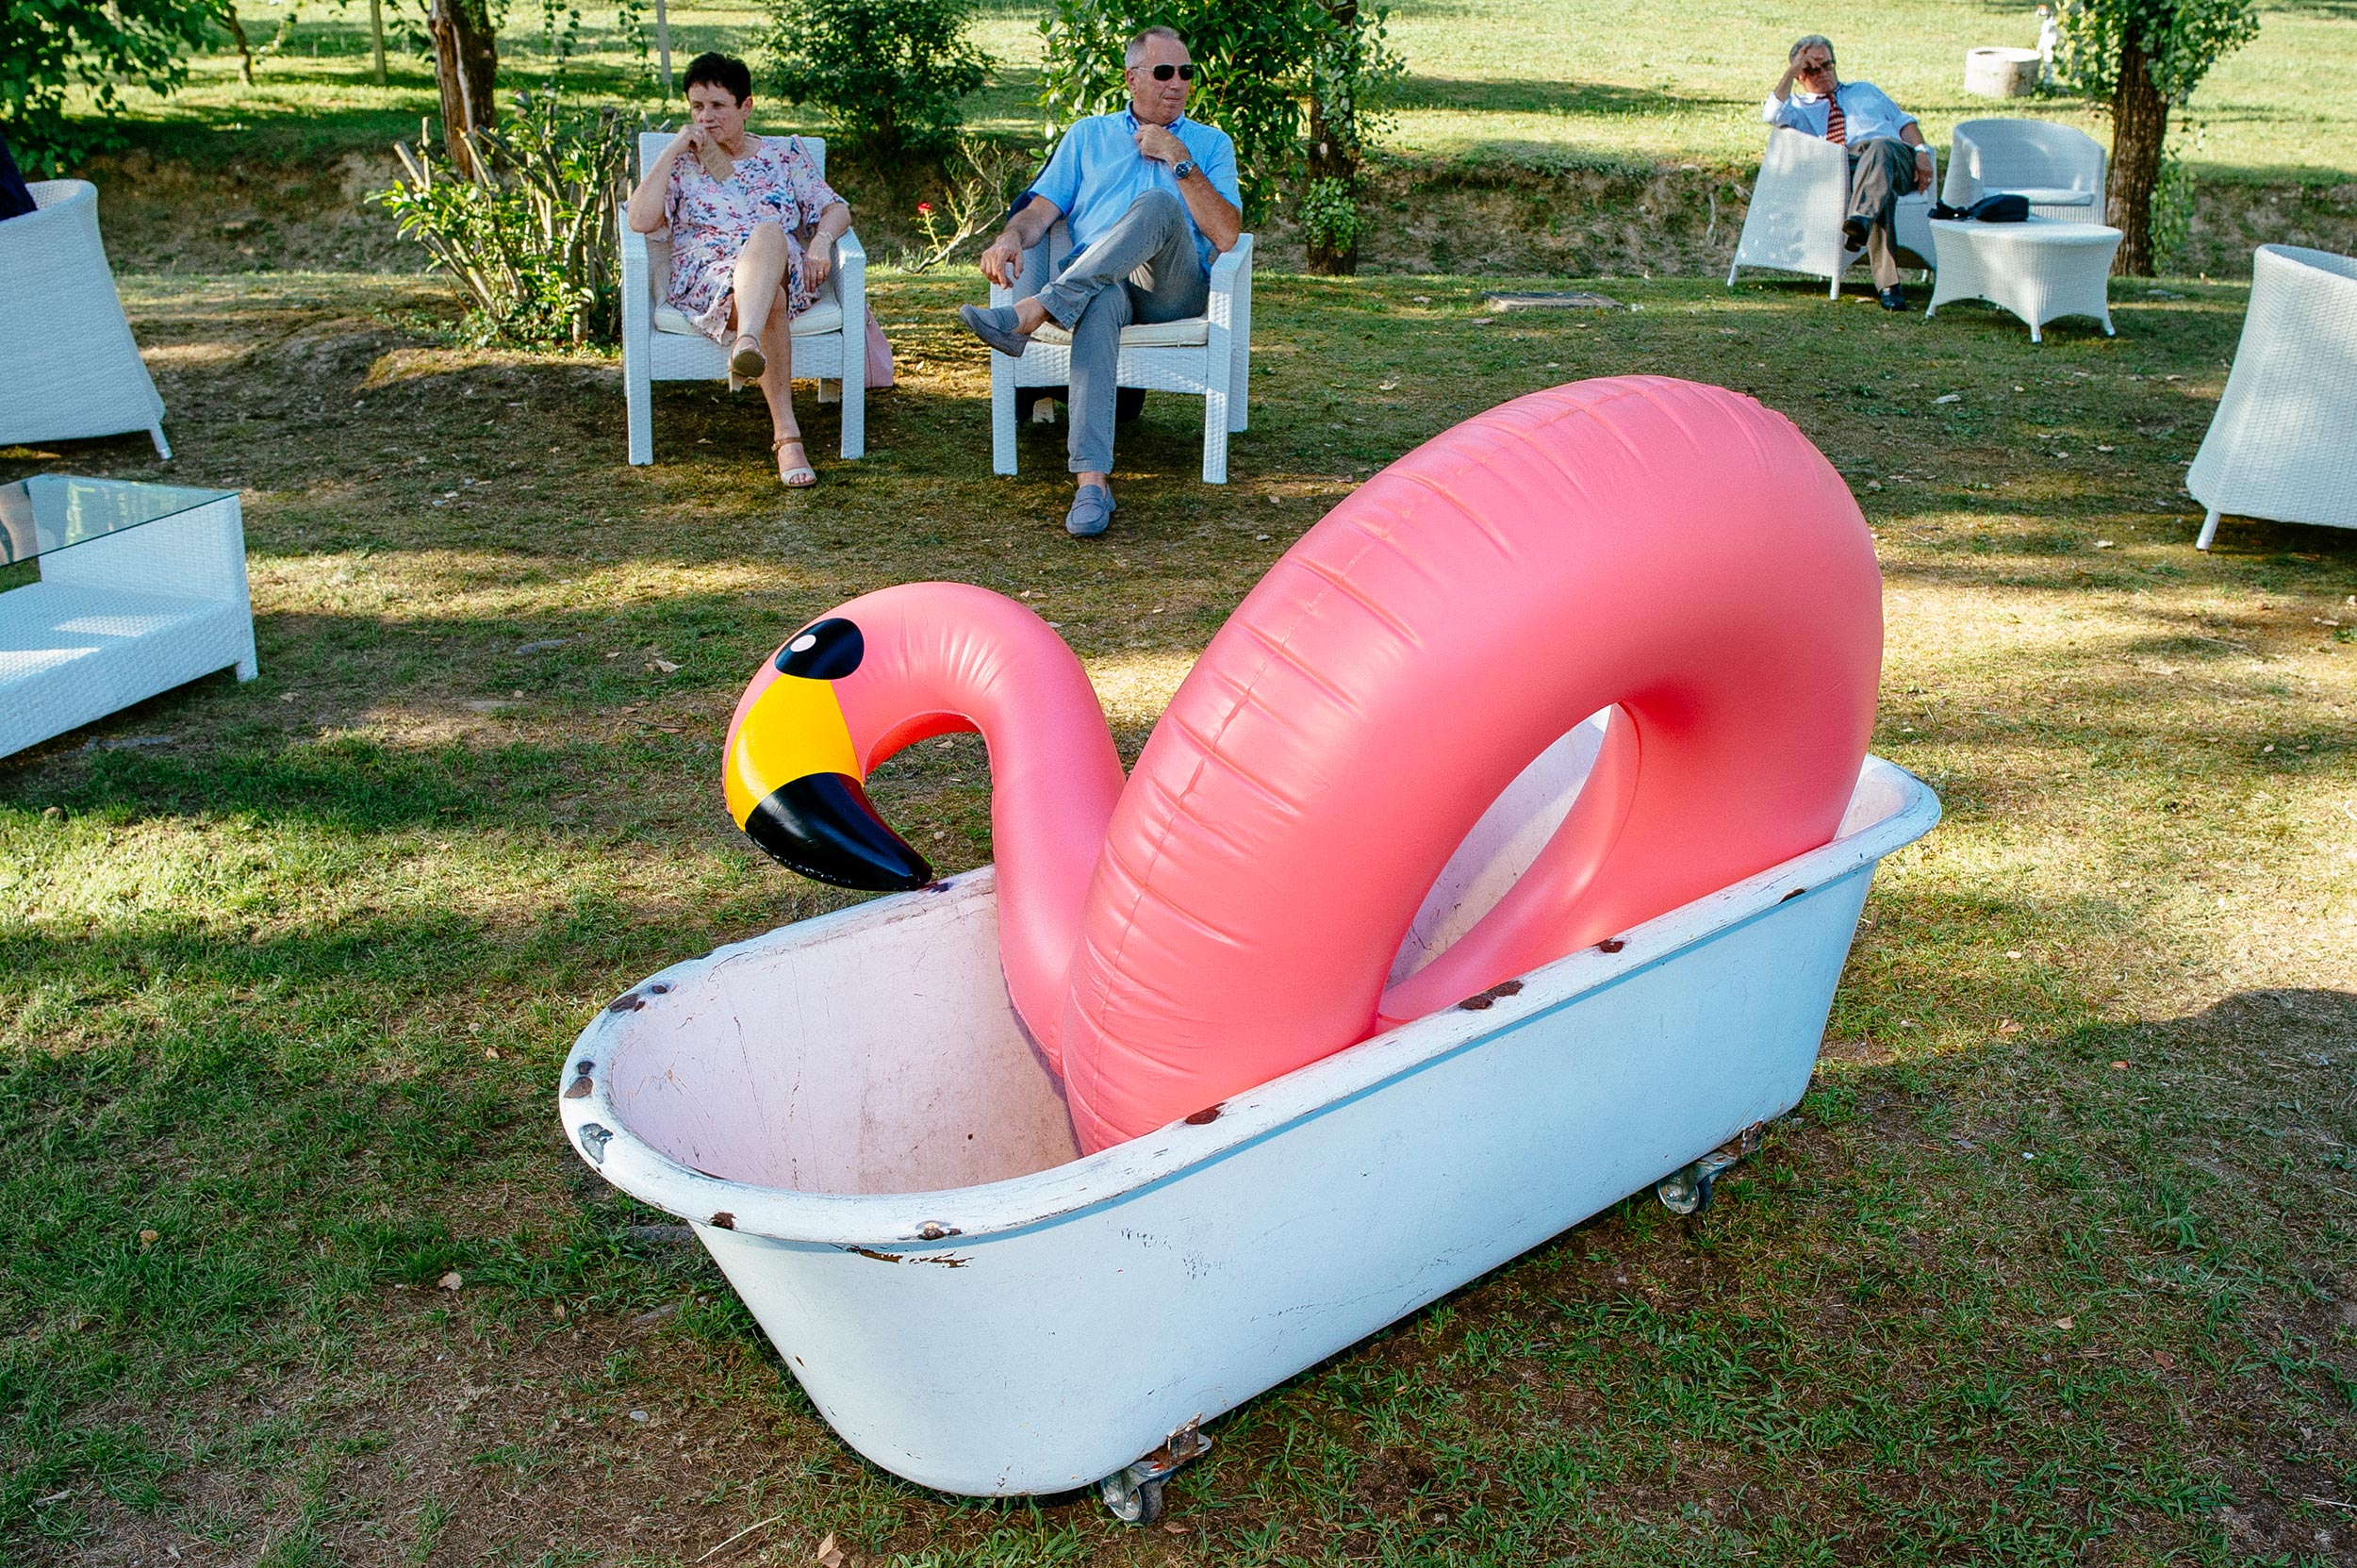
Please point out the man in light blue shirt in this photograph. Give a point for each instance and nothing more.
(1887, 151)
(1150, 197)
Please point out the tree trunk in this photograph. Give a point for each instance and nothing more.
(2139, 126)
(1327, 163)
(1334, 156)
(465, 60)
(227, 12)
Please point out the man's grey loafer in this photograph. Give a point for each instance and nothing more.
(995, 326)
(1092, 512)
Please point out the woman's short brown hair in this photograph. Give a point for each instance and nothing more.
(732, 75)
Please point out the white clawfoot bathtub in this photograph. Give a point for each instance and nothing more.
(853, 1120)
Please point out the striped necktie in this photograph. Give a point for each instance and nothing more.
(1836, 128)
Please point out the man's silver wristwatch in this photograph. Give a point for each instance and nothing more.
(1181, 168)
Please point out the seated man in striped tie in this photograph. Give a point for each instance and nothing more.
(1887, 151)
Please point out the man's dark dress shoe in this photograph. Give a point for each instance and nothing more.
(1894, 298)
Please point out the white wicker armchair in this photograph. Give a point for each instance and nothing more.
(1794, 221)
(2059, 168)
(70, 366)
(658, 344)
(1207, 355)
(2284, 442)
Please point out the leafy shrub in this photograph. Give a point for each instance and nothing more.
(888, 73)
(1330, 216)
(531, 234)
(48, 46)
(1248, 54)
(983, 177)
(1260, 63)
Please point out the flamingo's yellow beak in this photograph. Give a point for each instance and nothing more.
(793, 779)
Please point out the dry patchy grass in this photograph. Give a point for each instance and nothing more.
(289, 989)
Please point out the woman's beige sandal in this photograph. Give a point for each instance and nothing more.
(802, 476)
(746, 363)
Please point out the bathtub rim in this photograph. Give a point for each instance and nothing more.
(945, 1218)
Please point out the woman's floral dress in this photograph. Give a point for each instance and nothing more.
(711, 220)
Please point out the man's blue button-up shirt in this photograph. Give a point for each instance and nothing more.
(1098, 171)
(1866, 112)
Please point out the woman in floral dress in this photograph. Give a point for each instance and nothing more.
(750, 220)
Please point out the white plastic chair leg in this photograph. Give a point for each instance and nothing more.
(1001, 414)
(163, 448)
(830, 390)
(1215, 437)
(855, 413)
(638, 415)
(2209, 530)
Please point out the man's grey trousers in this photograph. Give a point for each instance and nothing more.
(1142, 268)
(1882, 169)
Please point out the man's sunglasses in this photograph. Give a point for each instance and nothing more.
(1163, 73)
(1817, 69)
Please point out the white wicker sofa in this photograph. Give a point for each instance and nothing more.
(69, 367)
(2284, 442)
(2060, 168)
(1794, 221)
(658, 344)
(1207, 355)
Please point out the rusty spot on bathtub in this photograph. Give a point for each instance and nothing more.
(1481, 1001)
(629, 1001)
(934, 1230)
(945, 1260)
(1794, 894)
(661, 987)
(1204, 1118)
(724, 1221)
(578, 1088)
(1611, 945)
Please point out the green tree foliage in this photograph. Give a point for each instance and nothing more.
(888, 73)
(1262, 64)
(2139, 58)
(47, 46)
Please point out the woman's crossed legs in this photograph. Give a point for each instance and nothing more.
(761, 274)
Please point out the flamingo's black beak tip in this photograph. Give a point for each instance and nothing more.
(822, 825)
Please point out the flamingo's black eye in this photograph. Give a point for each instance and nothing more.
(824, 650)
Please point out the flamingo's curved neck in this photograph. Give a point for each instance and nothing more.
(944, 657)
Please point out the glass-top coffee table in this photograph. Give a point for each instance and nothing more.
(142, 588)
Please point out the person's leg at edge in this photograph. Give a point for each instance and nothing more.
(761, 266)
(1155, 223)
(777, 387)
(1879, 171)
(1095, 363)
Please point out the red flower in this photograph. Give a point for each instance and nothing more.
(925, 207)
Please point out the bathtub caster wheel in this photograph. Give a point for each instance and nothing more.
(1687, 1190)
(1134, 1492)
(1132, 1501)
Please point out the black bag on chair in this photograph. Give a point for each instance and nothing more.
(2003, 207)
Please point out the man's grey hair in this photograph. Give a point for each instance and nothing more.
(1814, 41)
(1136, 51)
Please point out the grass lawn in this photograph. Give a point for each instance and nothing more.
(2056, 1263)
(1545, 82)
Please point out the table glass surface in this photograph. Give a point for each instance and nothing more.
(51, 511)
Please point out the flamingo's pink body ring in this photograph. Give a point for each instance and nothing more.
(1673, 552)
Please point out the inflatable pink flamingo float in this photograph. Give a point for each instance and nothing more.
(1674, 554)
